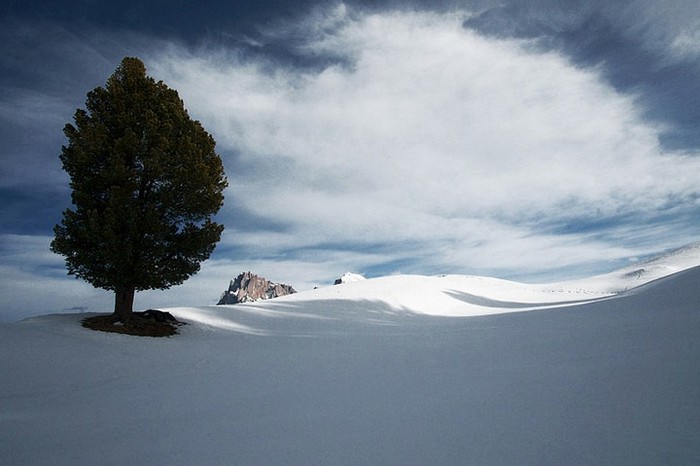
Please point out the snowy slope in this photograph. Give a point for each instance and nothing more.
(358, 374)
(643, 272)
(457, 295)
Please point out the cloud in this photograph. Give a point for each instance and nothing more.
(640, 46)
(450, 149)
(665, 28)
(670, 27)
(687, 44)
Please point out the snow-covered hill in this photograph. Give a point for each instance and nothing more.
(643, 272)
(460, 295)
(604, 371)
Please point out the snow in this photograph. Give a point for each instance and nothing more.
(350, 277)
(462, 296)
(386, 371)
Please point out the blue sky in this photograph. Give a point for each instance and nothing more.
(535, 140)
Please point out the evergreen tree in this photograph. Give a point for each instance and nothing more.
(146, 182)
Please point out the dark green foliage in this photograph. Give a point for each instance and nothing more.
(146, 181)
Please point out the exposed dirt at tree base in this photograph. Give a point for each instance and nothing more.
(138, 326)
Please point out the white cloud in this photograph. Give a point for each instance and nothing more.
(687, 44)
(670, 27)
(426, 135)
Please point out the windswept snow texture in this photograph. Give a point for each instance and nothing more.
(356, 374)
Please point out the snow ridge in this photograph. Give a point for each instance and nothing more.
(466, 295)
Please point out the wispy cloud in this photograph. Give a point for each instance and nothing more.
(642, 46)
(423, 134)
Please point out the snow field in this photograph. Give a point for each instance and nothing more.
(363, 374)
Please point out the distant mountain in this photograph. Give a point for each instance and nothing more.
(248, 287)
(349, 277)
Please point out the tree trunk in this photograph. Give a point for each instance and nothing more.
(123, 304)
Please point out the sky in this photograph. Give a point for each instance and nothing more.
(533, 141)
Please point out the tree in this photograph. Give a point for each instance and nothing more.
(146, 181)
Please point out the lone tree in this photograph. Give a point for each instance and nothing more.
(146, 181)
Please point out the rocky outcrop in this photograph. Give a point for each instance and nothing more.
(349, 277)
(248, 287)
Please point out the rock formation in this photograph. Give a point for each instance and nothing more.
(248, 287)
